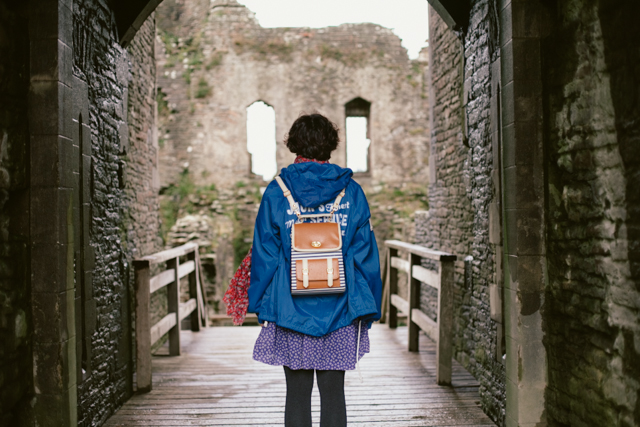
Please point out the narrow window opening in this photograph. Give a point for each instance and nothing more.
(261, 139)
(83, 341)
(357, 135)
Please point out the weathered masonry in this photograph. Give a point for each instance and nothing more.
(215, 60)
(534, 186)
(78, 198)
(535, 174)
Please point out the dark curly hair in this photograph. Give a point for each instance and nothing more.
(312, 136)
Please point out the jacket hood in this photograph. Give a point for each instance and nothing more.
(313, 184)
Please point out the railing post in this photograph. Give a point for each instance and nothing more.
(444, 352)
(393, 288)
(414, 302)
(173, 305)
(143, 326)
(194, 318)
(202, 293)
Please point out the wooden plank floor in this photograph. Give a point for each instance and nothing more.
(217, 383)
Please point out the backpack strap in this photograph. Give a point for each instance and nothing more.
(336, 204)
(287, 194)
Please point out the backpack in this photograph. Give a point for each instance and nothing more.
(317, 266)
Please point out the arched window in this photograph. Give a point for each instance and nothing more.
(357, 134)
(261, 139)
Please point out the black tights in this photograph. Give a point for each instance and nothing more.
(333, 411)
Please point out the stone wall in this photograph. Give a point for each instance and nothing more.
(593, 294)
(215, 60)
(555, 110)
(15, 310)
(122, 197)
(460, 193)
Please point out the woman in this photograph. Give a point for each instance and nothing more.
(313, 333)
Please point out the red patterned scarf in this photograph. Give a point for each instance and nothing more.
(236, 298)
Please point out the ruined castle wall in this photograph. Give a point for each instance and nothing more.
(15, 312)
(593, 296)
(460, 195)
(209, 76)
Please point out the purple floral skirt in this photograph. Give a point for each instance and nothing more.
(335, 351)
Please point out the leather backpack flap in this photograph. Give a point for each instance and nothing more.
(317, 237)
(317, 274)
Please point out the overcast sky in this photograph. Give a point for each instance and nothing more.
(407, 18)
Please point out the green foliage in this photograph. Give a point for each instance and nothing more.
(170, 206)
(187, 75)
(241, 241)
(349, 57)
(203, 89)
(263, 49)
(163, 105)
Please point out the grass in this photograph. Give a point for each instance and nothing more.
(263, 49)
(203, 89)
(215, 61)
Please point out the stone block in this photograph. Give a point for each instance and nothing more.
(506, 64)
(529, 19)
(495, 302)
(510, 183)
(51, 365)
(529, 190)
(531, 273)
(51, 215)
(51, 267)
(526, 59)
(496, 77)
(530, 232)
(80, 101)
(52, 62)
(508, 103)
(512, 264)
(53, 161)
(511, 305)
(522, 144)
(495, 225)
(50, 107)
(18, 211)
(494, 114)
(50, 19)
(86, 138)
(499, 257)
(511, 365)
(527, 100)
(53, 316)
(56, 410)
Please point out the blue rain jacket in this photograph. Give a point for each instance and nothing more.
(314, 186)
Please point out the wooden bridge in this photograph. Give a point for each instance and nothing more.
(215, 381)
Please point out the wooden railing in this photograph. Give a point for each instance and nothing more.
(442, 280)
(147, 334)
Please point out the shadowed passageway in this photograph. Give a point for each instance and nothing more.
(216, 383)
